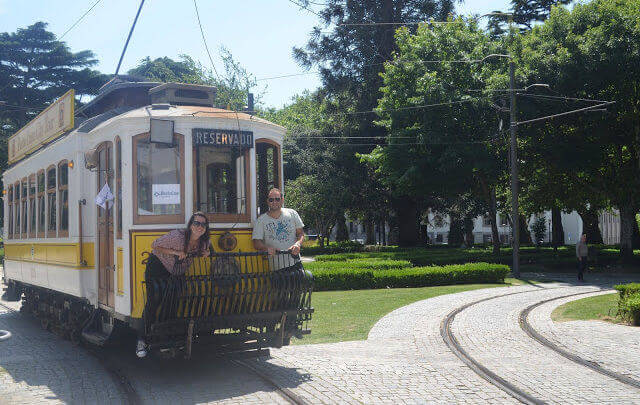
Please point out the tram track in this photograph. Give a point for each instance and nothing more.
(284, 392)
(119, 378)
(526, 326)
(452, 342)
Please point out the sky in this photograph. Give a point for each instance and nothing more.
(259, 33)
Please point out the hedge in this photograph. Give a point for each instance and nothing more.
(369, 264)
(626, 290)
(631, 308)
(629, 302)
(359, 278)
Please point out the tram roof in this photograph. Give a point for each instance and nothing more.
(196, 112)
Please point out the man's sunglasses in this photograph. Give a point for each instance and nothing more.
(274, 199)
(200, 224)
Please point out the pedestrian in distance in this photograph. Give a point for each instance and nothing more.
(278, 229)
(582, 252)
(172, 255)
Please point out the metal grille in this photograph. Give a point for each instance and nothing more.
(228, 293)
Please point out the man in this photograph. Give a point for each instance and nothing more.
(582, 252)
(278, 229)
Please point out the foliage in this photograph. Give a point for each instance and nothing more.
(35, 69)
(362, 278)
(367, 264)
(539, 229)
(630, 309)
(332, 247)
(232, 87)
(598, 154)
(525, 13)
(627, 290)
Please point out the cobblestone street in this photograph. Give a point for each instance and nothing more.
(404, 360)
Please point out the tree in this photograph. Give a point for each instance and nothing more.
(596, 42)
(36, 68)
(539, 229)
(525, 13)
(452, 148)
(350, 58)
(232, 88)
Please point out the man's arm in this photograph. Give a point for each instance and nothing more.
(295, 248)
(258, 244)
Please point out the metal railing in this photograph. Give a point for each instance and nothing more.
(248, 295)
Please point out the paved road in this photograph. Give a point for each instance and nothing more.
(404, 360)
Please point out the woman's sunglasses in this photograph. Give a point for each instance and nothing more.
(198, 223)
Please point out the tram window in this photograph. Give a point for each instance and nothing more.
(10, 212)
(16, 205)
(23, 210)
(63, 197)
(32, 206)
(159, 173)
(221, 175)
(118, 188)
(51, 202)
(267, 171)
(41, 205)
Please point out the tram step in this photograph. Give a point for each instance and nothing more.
(95, 337)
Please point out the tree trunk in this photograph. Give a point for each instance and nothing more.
(557, 232)
(456, 231)
(590, 225)
(525, 234)
(370, 231)
(468, 231)
(627, 222)
(342, 233)
(407, 216)
(490, 197)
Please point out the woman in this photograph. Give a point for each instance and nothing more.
(172, 255)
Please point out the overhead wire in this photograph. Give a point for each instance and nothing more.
(204, 40)
(79, 20)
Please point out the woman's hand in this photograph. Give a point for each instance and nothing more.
(181, 255)
(206, 253)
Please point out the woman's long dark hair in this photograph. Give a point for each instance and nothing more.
(204, 239)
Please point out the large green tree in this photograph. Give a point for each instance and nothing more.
(349, 47)
(591, 52)
(36, 68)
(453, 146)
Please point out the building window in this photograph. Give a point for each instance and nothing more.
(486, 220)
(159, 186)
(32, 206)
(118, 188)
(221, 175)
(63, 197)
(10, 212)
(51, 202)
(268, 174)
(23, 209)
(41, 205)
(504, 221)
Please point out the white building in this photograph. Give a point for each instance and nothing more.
(609, 224)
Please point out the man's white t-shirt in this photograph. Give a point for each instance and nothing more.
(278, 233)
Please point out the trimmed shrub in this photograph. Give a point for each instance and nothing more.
(631, 309)
(358, 278)
(625, 290)
(333, 247)
(369, 264)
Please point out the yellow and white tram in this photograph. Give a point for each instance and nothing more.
(88, 191)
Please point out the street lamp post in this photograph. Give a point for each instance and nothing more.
(515, 217)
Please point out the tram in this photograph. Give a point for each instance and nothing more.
(88, 190)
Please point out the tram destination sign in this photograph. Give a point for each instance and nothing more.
(47, 126)
(222, 137)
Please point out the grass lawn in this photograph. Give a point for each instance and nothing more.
(601, 307)
(349, 315)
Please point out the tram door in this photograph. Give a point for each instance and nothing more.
(106, 268)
